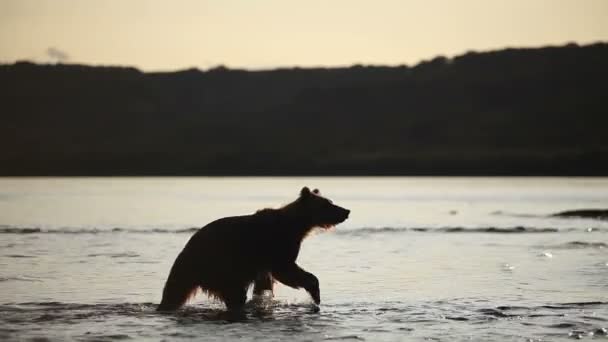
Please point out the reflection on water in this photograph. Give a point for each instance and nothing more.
(421, 258)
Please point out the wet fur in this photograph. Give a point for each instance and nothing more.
(226, 256)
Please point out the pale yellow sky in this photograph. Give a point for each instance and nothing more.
(176, 34)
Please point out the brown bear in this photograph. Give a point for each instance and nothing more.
(226, 256)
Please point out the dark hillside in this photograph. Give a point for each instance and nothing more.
(510, 112)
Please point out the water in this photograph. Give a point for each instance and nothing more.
(441, 259)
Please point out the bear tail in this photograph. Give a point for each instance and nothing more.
(180, 286)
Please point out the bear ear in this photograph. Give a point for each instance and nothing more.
(305, 192)
(316, 192)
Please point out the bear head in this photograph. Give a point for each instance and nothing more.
(320, 210)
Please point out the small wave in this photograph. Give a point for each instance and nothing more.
(495, 312)
(123, 308)
(558, 306)
(582, 244)
(30, 230)
(597, 214)
(577, 245)
(518, 229)
(522, 215)
(346, 337)
(568, 315)
(111, 337)
(592, 214)
(372, 230)
(350, 231)
(19, 256)
(20, 278)
(155, 230)
(499, 230)
(10, 230)
(114, 255)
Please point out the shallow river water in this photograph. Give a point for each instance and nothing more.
(440, 259)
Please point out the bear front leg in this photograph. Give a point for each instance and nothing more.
(263, 282)
(294, 276)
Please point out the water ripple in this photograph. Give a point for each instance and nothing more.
(349, 231)
(280, 320)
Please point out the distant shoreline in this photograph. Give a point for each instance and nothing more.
(511, 112)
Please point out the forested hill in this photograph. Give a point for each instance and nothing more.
(509, 112)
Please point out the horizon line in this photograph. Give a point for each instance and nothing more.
(308, 67)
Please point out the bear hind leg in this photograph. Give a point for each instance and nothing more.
(263, 282)
(174, 296)
(234, 298)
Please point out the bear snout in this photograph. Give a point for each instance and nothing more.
(346, 213)
(343, 214)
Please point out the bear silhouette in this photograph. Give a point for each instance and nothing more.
(226, 256)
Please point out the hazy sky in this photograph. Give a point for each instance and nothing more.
(175, 34)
